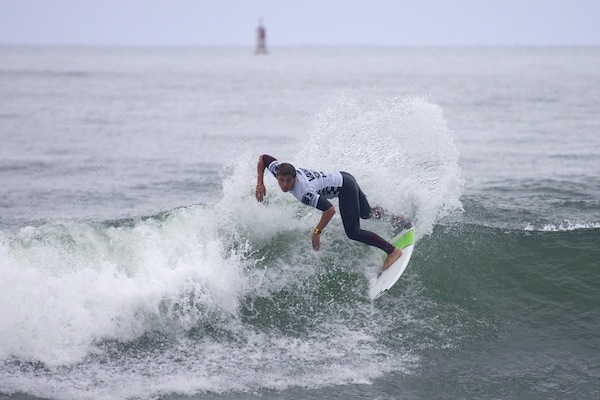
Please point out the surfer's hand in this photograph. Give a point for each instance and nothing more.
(316, 241)
(261, 191)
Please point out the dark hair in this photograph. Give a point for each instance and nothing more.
(286, 169)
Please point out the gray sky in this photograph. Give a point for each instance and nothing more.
(301, 22)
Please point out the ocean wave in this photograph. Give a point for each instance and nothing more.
(198, 293)
(147, 303)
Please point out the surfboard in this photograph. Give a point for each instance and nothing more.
(405, 240)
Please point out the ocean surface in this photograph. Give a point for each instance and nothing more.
(135, 262)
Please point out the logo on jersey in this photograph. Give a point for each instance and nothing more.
(312, 175)
(307, 198)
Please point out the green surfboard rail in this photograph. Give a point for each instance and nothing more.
(405, 240)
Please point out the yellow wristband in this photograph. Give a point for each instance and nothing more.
(317, 231)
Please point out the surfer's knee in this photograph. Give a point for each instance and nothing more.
(354, 234)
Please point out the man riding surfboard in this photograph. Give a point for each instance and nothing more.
(314, 188)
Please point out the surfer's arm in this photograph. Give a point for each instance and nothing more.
(325, 218)
(263, 161)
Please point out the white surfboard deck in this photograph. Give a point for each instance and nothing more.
(405, 240)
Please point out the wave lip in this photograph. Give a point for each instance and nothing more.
(400, 149)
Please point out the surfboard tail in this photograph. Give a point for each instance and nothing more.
(376, 295)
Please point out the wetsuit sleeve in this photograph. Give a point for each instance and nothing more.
(323, 204)
(267, 161)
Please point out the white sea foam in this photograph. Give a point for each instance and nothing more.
(401, 151)
(563, 226)
(66, 285)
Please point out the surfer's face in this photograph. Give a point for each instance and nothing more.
(286, 182)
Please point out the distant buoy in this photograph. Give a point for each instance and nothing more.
(261, 38)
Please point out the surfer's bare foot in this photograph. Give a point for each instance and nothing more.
(391, 258)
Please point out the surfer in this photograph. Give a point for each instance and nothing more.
(314, 188)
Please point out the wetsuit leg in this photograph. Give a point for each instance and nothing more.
(365, 207)
(353, 206)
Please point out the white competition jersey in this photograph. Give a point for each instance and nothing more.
(311, 184)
